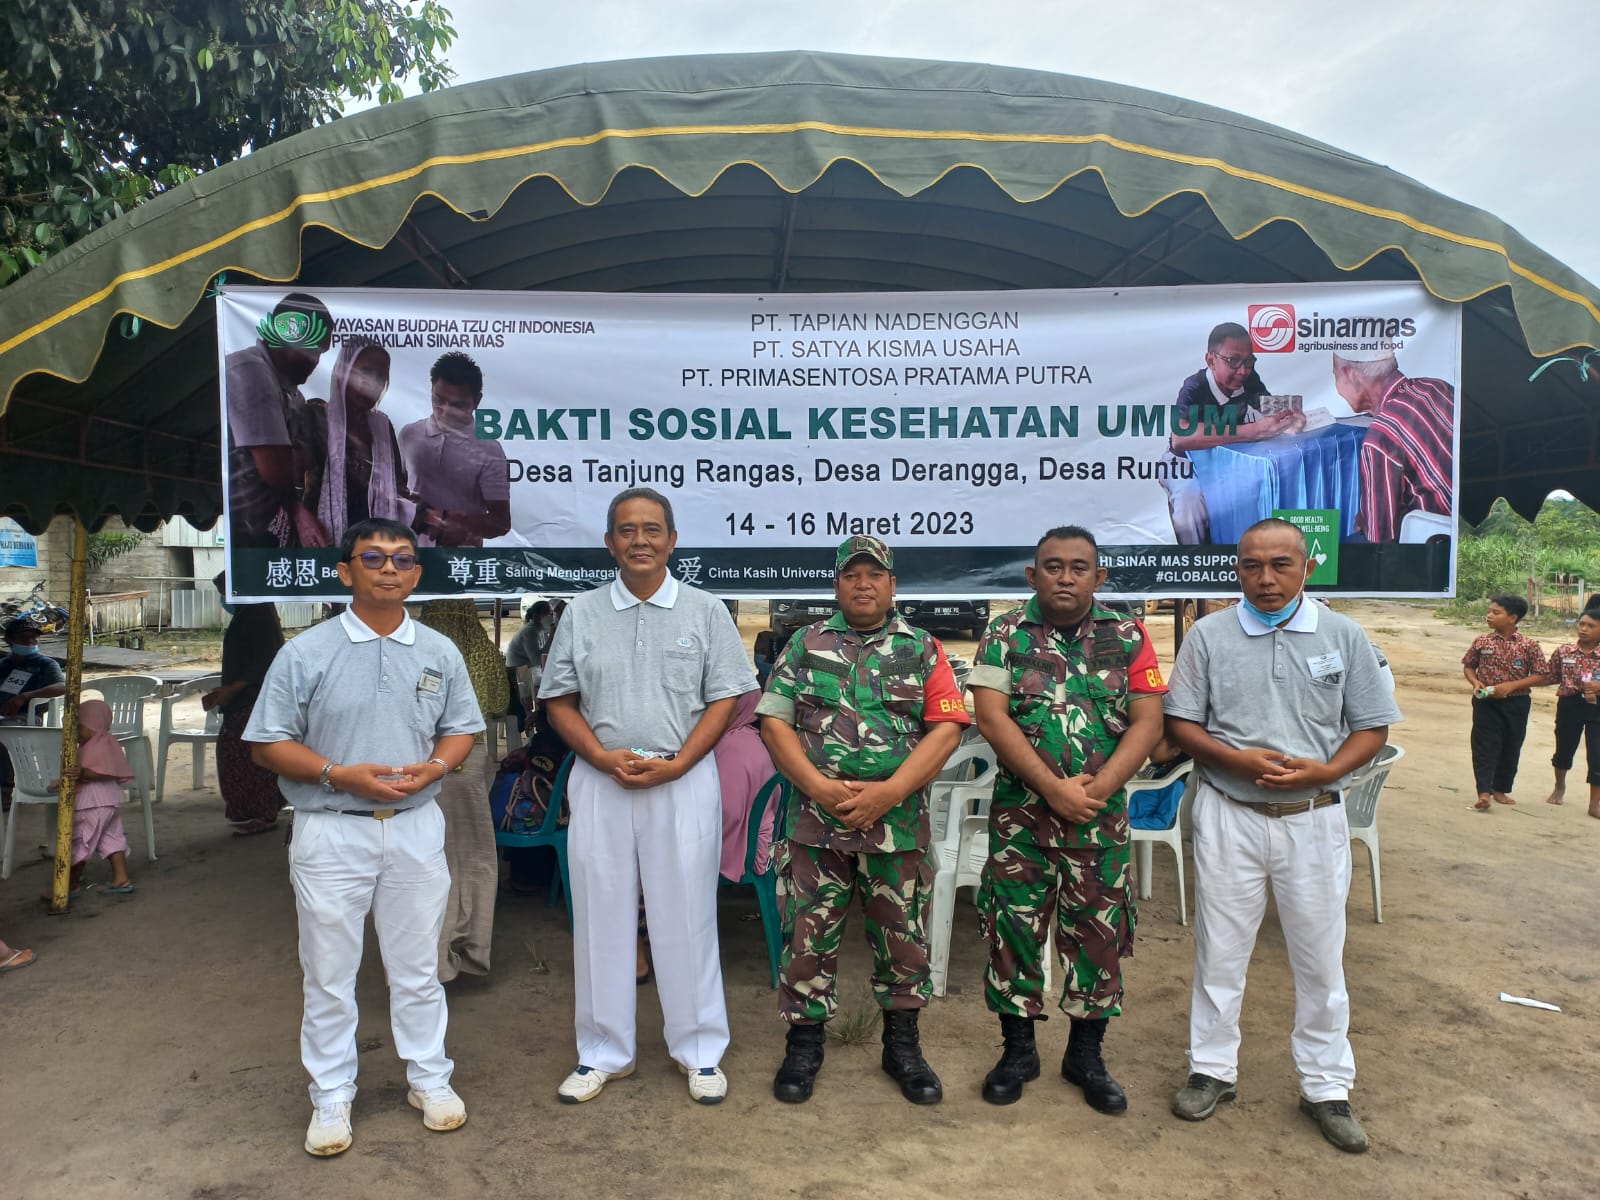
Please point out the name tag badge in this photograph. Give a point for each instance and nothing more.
(431, 680)
(1326, 668)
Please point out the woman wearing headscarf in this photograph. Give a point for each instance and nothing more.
(353, 467)
(469, 846)
(250, 797)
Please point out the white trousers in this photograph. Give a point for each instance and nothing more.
(343, 867)
(1306, 859)
(668, 838)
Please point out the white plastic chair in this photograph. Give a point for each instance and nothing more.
(956, 800)
(36, 759)
(1144, 840)
(197, 738)
(1361, 811)
(45, 712)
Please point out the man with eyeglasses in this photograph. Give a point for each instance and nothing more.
(360, 718)
(1229, 377)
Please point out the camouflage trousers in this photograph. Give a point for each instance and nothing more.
(1087, 892)
(815, 889)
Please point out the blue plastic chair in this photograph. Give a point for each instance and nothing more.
(775, 792)
(550, 833)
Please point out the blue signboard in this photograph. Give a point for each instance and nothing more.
(17, 549)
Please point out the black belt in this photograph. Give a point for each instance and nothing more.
(1290, 808)
(377, 814)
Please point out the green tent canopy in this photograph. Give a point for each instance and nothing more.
(759, 173)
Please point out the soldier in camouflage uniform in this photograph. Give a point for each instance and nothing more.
(860, 714)
(1069, 696)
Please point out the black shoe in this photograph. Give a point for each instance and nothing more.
(902, 1058)
(1083, 1066)
(1019, 1062)
(802, 1059)
(1338, 1124)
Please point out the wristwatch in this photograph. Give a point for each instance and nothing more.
(324, 777)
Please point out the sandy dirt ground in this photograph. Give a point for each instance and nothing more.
(151, 1051)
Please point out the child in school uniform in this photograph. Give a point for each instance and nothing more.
(1575, 670)
(101, 772)
(1503, 666)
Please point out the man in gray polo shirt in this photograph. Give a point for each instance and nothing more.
(1277, 701)
(641, 682)
(360, 718)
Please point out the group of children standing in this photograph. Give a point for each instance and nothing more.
(1503, 666)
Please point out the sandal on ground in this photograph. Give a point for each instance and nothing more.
(18, 960)
(1481, 806)
(117, 889)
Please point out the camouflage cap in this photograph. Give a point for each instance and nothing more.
(855, 547)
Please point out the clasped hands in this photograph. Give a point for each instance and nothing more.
(857, 803)
(1281, 772)
(380, 782)
(636, 772)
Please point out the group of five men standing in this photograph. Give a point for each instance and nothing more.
(860, 715)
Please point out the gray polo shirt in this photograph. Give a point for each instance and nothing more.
(1301, 688)
(645, 670)
(353, 696)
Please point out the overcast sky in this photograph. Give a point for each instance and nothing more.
(1492, 103)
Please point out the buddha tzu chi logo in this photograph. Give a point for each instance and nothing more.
(292, 328)
(1272, 328)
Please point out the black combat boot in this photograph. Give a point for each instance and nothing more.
(902, 1058)
(802, 1059)
(1083, 1066)
(1019, 1062)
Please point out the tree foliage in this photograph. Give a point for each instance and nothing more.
(105, 103)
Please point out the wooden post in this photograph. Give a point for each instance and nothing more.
(77, 620)
(498, 605)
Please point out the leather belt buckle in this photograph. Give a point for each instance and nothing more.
(383, 814)
(1293, 808)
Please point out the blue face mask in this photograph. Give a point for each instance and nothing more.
(23, 651)
(1273, 619)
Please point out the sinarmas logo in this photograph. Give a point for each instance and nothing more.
(1272, 328)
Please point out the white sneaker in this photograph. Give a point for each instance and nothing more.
(585, 1083)
(441, 1108)
(330, 1131)
(708, 1085)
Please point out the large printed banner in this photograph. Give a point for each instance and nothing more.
(957, 426)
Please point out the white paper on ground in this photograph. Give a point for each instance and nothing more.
(1508, 998)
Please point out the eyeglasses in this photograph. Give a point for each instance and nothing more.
(1235, 361)
(373, 560)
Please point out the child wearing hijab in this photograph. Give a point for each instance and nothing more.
(101, 772)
